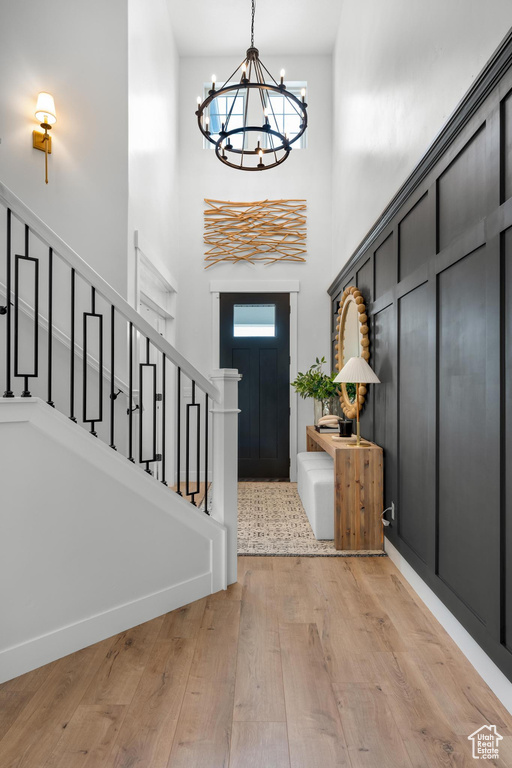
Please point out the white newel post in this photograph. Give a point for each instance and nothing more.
(225, 461)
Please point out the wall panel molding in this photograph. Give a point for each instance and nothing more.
(437, 268)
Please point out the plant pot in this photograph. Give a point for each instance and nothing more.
(329, 407)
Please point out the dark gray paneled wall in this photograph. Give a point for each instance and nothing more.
(436, 273)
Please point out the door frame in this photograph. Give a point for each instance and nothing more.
(292, 287)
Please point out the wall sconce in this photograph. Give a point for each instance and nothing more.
(46, 114)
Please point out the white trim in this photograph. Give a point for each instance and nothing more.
(291, 287)
(146, 299)
(160, 273)
(294, 400)
(485, 667)
(99, 454)
(38, 651)
(72, 259)
(215, 329)
(254, 286)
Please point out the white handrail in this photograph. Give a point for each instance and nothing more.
(67, 254)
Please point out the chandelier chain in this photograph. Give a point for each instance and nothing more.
(252, 22)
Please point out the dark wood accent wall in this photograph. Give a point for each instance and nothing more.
(436, 273)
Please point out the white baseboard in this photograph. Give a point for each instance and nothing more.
(54, 645)
(486, 668)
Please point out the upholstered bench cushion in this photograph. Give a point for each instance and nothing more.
(311, 460)
(315, 485)
(318, 502)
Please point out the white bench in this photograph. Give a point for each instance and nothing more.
(315, 485)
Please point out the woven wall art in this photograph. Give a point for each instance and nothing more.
(264, 231)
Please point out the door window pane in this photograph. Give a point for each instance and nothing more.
(254, 320)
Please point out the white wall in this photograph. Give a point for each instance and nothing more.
(400, 69)
(78, 52)
(90, 546)
(153, 134)
(306, 174)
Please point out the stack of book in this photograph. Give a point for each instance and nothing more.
(327, 424)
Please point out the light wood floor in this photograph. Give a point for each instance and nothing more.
(305, 663)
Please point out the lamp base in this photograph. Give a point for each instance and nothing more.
(38, 141)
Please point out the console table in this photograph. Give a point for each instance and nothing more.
(358, 490)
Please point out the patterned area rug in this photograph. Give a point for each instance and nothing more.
(272, 521)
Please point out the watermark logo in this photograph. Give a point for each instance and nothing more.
(486, 743)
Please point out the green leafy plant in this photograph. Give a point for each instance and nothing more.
(315, 383)
(351, 392)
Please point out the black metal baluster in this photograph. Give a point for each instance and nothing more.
(191, 405)
(154, 411)
(143, 410)
(198, 446)
(92, 322)
(50, 327)
(130, 395)
(112, 378)
(100, 364)
(206, 454)
(72, 347)
(93, 310)
(163, 417)
(26, 391)
(8, 391)
(178, 433)
(187, 454)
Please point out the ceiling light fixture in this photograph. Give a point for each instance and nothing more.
(237, 135)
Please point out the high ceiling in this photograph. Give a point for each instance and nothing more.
(207, 28)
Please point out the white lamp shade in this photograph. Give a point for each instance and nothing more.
(45, 109)
(357, 371)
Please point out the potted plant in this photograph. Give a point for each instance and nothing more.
(321, 387)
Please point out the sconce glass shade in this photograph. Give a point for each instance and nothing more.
(45, 109)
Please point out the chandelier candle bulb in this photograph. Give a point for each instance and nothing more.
(282, 76)
(303, 94)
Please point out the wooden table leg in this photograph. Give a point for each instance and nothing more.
(311, 445)
(358, 499)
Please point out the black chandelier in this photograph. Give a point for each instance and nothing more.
(247, 133)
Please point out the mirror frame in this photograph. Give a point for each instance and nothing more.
(351, 295)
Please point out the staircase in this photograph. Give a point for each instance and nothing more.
(109, 439)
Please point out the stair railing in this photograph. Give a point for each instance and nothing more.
(118, 377)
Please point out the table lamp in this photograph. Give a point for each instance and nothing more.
(357, 371)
